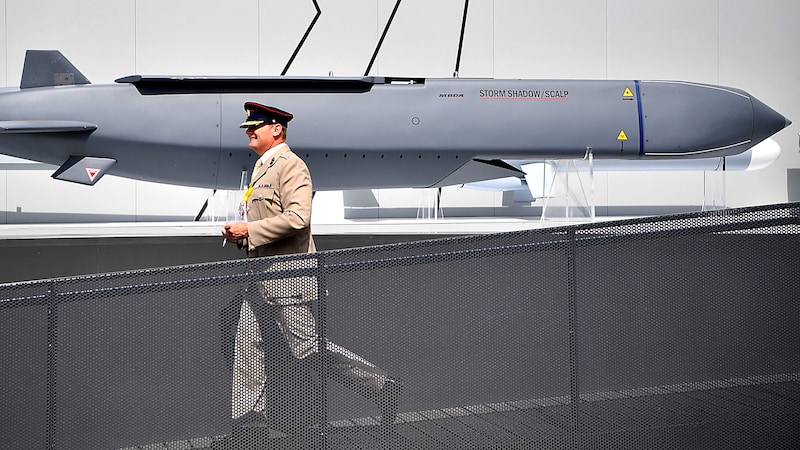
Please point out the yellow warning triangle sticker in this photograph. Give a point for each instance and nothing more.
(627, 93)
(622, 136)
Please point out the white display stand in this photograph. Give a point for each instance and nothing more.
(571, 191)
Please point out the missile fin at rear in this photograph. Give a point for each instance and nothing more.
(84, 169)
(44, 68)
(44, 126)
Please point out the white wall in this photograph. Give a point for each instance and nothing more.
(745, 44)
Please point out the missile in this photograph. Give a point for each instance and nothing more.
(363, 132)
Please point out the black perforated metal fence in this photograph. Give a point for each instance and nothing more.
(669, 332)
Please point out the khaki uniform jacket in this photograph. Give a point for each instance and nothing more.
(279, 208)
(279, 223)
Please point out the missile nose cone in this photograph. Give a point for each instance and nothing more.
(766, 121)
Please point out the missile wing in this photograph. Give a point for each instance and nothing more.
(536, 177)
(364, 132)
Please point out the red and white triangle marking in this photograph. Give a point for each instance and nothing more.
(92, 173)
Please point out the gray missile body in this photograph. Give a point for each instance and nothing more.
(370, 132)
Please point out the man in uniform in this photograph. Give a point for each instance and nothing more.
(278, 208)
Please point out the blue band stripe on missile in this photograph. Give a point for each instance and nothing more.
(641, 122)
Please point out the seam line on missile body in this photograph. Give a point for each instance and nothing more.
(695, 152)
(707, 86)
(641, 119)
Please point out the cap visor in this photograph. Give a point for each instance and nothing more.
(251, 123)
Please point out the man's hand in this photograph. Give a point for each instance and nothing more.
(235, 232)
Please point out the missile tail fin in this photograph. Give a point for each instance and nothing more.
(49, 68)
(84, 169)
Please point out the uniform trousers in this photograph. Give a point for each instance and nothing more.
(297, 325)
